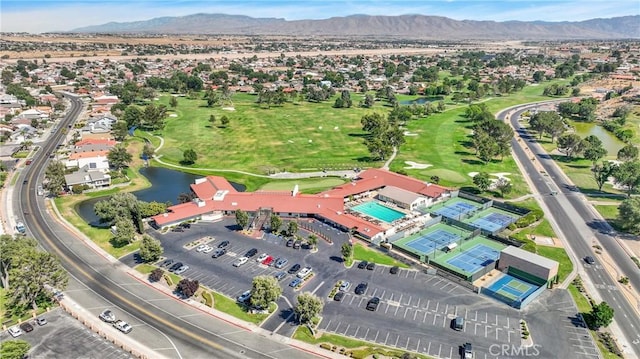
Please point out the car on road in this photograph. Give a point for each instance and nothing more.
(290, 243)
(344, 286)
(371, 266)
(219, 252)
(262, 257)
(394, 270)
(175, 266)
(362, 265)
(467, 351)
(267, 261)
(251, 252)
(223, 244)
(305, 272)
(244, 297)
(123, 326)
(373, 303)
(361, 288)
(281, 262)
(202, 247)
(167, 262)
(240, 261)
(15, 331)
(589, 260)
(295, 282)
(107, 316)
(280, 275)
(338, 297)
(294, 268)
(40, 191)
(26, 327)
(207, 250)
(182, 269)
(41, 321)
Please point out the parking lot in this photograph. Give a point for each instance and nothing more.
(65, 337)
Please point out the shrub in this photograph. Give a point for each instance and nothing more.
(325, 346)
(187, 287)
(156, 275)
(530, 218)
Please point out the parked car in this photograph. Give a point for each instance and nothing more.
(107, 316)
(177, 229)
(345, 286)
(15, 331)
(297, 244)
(182, 269)
(372, 304)
(363, 265)
(244, 297)
(41, 321)
(251, 252)
(295, 282)
(185, 225)
(262, 257)
(290, 243)
(371, 266)
(267, 261)
(207, 250)
(589, 260)
(294, 268)
(281, 262)
(467, 351)
(394, 270)
(175, 266)
(305, 272)
(280, 275)
(202, 247)
(240, 261)
(361, 288)
(338, 297)
(219, 252)
(26, 327)
(123, 326)
(167, 262)
(223, 244)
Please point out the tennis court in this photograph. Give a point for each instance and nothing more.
(475, 258)
(429, 242)
(510, 289)
(493, 221)
(455, 210)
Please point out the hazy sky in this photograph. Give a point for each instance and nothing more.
(55, 15)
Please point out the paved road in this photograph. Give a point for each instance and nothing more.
(187, 332)
(580, 226)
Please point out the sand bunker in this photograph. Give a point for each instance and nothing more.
(229, 108)
(407, 133)
(416, 166)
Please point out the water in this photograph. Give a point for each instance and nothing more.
(610, 142)
(378, 211)
(166, 185)
(421, 100)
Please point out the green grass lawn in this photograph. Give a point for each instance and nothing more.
(362, 253)
(145, 268)
(2, 303)
(230, 306)
(309, 185)
(610, 213)
(559, 255)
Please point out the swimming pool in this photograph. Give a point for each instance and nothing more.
(376, 210)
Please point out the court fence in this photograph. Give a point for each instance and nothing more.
(511, 208)
(474, 198)
(527, 277)
(503, 298)
(504, 240)
(459, 224)
(453, 277)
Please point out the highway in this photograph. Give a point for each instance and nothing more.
(580, 227)
(200, 336)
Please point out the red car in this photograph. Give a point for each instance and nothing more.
(267, 261)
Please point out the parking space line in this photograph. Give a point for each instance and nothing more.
(383, 292)
(425, 317)
(396, 312)
(355, 335)
(429, 348)
(387, 308)
(405, 312)
(434, 318)
(418, 346)
(451, 353)
(446, 309)
(428, 303)
(337, 326)
(452, 288)
(437, 306)
(397, 338)
(507, 326)
(418, 305)
(486, 332)
(391, 297)
(376, 338)
(439, 350)
(414, 314)
(475, 319)
(444, 321)
(348, 326)
(496, 320)
(328, 324)
(374, 292)
(475, 328)
(387, 338)
(486, 318)
(351, 301)
(444, 286)
(407, 345)
(497, 332)
(367, 333)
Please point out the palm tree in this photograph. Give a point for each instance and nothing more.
(312, 240)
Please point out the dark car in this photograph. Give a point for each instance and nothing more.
(175, 267)
(589, 260)
(394, 270)
(178, 229)
(363, 264)
(361, 288)
(371, 266)
(294, 268)
(219, 252)
(26, 327)
(280, 275)
(251, 252)
(372, 304)
(338, 297)
(167, 262)
(290, 243)
(223, 244)
(185, 225)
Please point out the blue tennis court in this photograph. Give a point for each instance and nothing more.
(429, 242)
(455, 210)
(493, 221)
(510, 288)
(475, 258)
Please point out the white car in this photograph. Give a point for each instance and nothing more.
(123, 326)
(262, 257)
(305, 272)
(345, 286)
(240, 261)
(182, 269)
(207, 250)
(201, 248)
(108, 316)
(244, 297)
(15, 331)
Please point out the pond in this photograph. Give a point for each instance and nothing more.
(166, 186)
(610, 142)
(421, 100)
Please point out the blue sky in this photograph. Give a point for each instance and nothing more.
(54, 15)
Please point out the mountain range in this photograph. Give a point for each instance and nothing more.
(406, 26)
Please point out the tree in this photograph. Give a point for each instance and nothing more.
(125, 231)
(482, 181)
(628, 153)
(312, 240)
(628, 175)
(601, 316)
(242, 218)
(435, 179)
(120, 131)
(593, 149)
(14, 349)
(148, 150)
(602, 172)
(11, 249)
(629, 215)
(275, 223)
(156, 275)
(188, 287)
(150, 249)
(54, 175)
(570, 144)
(186, 197)
(132, 116)
(173, 102)
(224, 121)
(309, 306)
(189, 157)
(119, 205)
(292, 228)
(212, 119)
(119, 157)
(264, 290)
(504, 186)
(346, 250)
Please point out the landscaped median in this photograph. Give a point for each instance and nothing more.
(362, 253)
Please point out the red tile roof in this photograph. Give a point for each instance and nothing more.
(78, 155)
(96, 141)
(206, 188)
